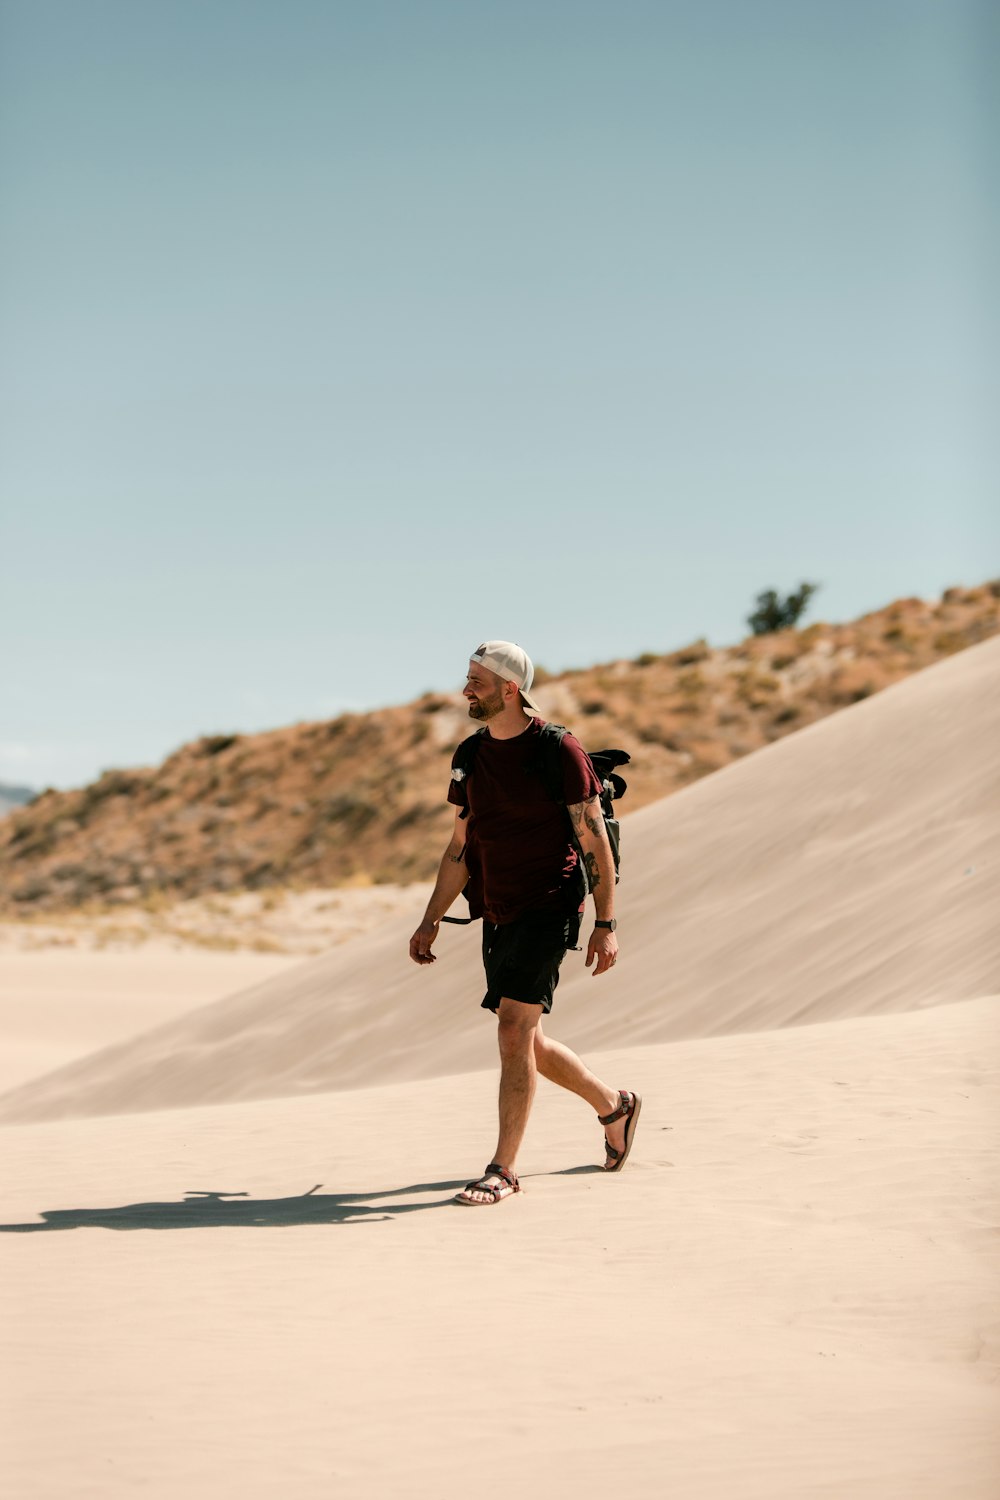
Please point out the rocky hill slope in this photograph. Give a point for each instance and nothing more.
(361, 797)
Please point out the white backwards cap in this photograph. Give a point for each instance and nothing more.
(509, 662)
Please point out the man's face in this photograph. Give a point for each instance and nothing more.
(484, 693)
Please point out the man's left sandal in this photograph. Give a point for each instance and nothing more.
(629, 1106)
(507, 1185)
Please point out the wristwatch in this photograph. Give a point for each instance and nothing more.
(611, 926)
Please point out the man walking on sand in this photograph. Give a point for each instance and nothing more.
(512, 845)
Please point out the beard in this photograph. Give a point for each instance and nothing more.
(486, 708)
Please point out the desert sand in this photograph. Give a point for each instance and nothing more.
(791, 1290)
(74, 984)
(57, 1004)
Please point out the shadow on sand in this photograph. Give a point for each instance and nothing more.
(212, 1210)
(217, 1210)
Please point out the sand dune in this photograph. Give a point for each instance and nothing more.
(789, 1294)
(57, 1004)
(849, 869)
(71, 985)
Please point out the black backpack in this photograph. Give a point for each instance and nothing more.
(547, 761)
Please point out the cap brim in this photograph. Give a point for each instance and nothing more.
(530, 703)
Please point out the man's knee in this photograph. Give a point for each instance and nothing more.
(517, 1023)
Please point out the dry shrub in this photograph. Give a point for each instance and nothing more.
(691, 683)
(688, 656)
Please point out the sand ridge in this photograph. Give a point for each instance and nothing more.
(848, 869)
(73, 984)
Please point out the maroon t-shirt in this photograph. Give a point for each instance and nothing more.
(518, 849)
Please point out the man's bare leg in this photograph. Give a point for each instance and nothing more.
(525, 1051)
(516, 1025)
(559, 1065)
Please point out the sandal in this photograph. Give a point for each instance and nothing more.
(629, 1106)
(496, 1190)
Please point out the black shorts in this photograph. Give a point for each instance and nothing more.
(522, 957)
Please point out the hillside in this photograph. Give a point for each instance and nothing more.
(361, 797)
(846, 872)
(14, 796)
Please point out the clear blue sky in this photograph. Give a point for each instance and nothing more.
(336, 337)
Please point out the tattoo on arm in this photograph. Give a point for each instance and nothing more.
(588, 813)
(588, 824)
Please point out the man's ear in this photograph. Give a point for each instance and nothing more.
(510, 690)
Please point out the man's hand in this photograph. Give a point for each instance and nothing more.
(588, 825)
(603, 946)
(420, 942)
(451, 879)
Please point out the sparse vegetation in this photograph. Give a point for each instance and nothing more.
(214, 744)
(773, 613)
(361, 798)
(688, 656)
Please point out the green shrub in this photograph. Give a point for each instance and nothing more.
(773, 613)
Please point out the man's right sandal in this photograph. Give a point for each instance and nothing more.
(507, 1185)
(629, 1106)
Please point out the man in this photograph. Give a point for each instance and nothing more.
(512, 845)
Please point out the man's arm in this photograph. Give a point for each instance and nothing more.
(450, 883)
(599, 862)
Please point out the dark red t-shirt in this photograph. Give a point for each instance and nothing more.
(518, 850)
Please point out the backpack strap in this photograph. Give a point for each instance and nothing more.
(462, 763)
(549, 760)
(464, 759)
